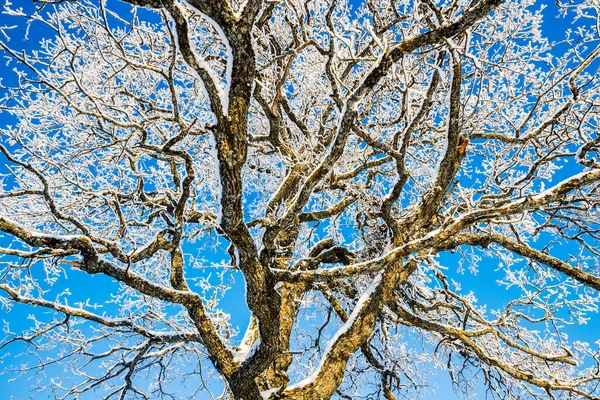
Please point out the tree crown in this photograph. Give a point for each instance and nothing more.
(324, 158)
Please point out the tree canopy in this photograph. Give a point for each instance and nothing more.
(342, 167)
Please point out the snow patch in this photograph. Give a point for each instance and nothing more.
(268, 393)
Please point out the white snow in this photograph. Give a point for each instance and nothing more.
(245, 350)
(549, 191)
(267, 393)
(247, 347)
(222, 92)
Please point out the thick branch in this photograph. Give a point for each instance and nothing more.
(531, 254)
(352, 335)
(156, 336)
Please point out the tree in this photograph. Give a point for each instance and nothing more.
(325, 158)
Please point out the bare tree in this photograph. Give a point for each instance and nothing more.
(334, 156)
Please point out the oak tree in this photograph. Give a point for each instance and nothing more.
(345, 167)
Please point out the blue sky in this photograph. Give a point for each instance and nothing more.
(482, 284)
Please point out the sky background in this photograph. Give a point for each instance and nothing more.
(482, 284)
